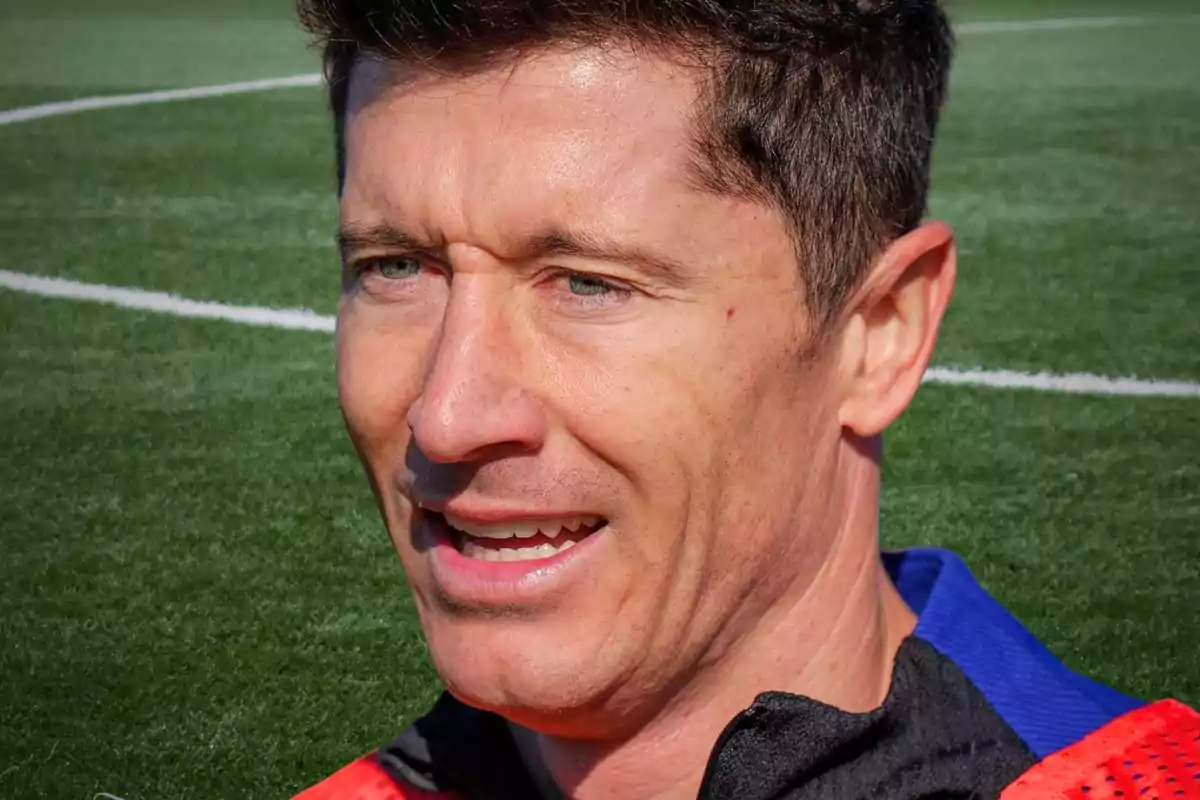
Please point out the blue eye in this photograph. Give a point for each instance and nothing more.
(588, 286)
(398, 268)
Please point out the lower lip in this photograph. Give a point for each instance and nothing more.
(475, 582)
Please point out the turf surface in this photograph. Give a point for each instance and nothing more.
(198, 599)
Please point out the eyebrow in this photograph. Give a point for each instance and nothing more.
(593, 247)
(355, 238)
(552, 242)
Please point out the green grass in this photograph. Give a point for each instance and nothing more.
(198, 598)
(1067, 164)
(62, 49)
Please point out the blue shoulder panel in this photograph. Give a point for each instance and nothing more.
(1048, 705)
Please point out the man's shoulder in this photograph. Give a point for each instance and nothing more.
(1049, 705)
(1153, 751)
(453, 751)
(1077, 729)
(1092, 741)
(366, 779)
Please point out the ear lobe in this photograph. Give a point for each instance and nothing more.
(891, 327)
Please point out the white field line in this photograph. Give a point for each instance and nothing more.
(1068, 23)
(1069, 383)
(303, 319)
(28, 113)
(15, 115)
(289, 318)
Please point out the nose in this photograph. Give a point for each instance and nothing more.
(475, 403)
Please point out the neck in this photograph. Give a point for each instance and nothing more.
(833, 639)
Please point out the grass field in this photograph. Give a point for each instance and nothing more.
(198, 600)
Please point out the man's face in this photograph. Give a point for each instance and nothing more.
(546, 326)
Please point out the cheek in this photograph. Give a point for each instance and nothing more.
(379, 378)
(701, 417)
(622, 399)
(379, 373)
(657, 398)
(647, 401)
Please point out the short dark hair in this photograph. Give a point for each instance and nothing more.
(823, 109)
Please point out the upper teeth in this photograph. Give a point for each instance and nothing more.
(521, 529)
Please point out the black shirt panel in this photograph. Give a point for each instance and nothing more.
(458, 749)
(935, 737)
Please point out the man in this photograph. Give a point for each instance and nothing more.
(631, 290)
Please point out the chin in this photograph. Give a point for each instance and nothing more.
(534, 678)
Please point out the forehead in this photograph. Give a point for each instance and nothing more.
(598, 80)
(586, 131)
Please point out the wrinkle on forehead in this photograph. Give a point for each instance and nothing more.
(599, 141)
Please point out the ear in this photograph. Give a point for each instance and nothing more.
(890, 327)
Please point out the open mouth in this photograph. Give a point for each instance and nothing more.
(520, 540)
